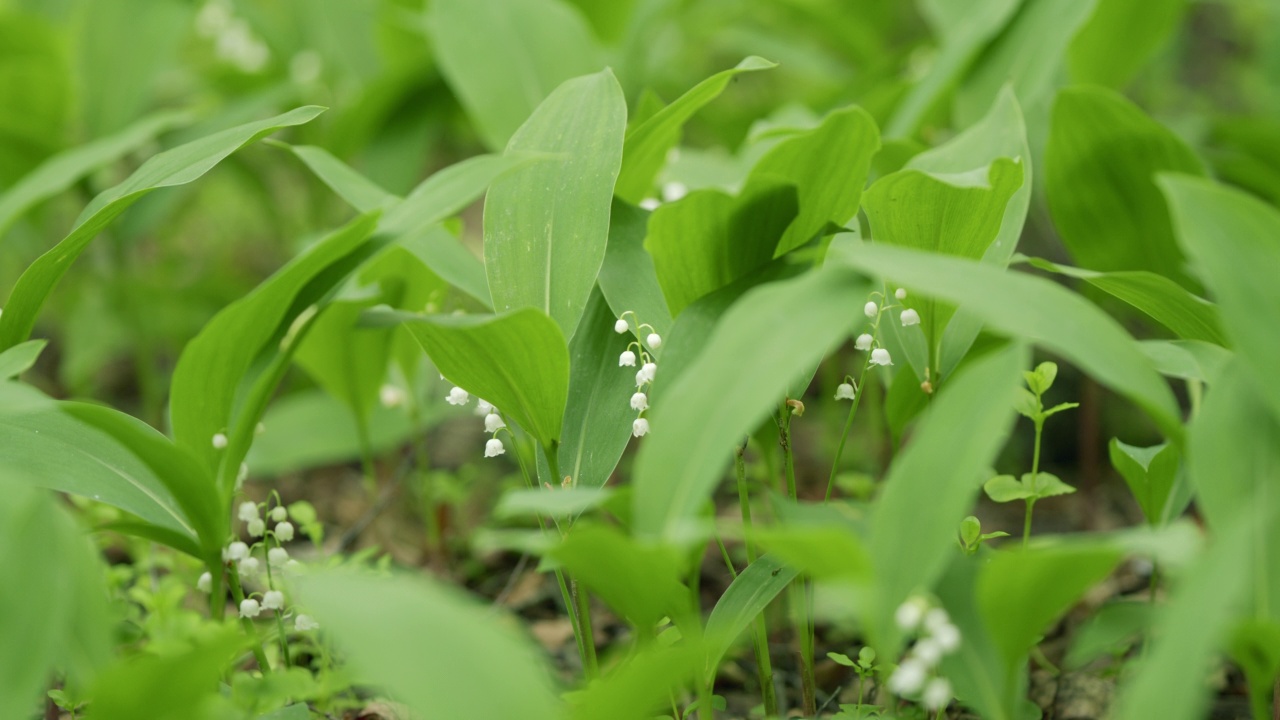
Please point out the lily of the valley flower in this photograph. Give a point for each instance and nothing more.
(844, 392)
(880, 356)
(494, 448)
(871, 309)
(249, 567)
(937, 694)
(620, 326)
(900, 293)
(627, 359)
(646, 374)
(249, 608)
(219, 441)
(640, 427)
(910, 317)
(910, 613)
(279, 514)
(247, 511)
(284, 531)
(458, 396)
(390, 396)
(257, 527)
(303, 623)
(493, 423)
(273, 600)
(909, 677)
(205, 583)
(236, 551)
(483, 407)
(640, 402)
(654, 340)
(277, 556)
(863, 342)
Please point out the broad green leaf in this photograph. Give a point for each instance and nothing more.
(359, 191)
(36, 85)
(745, 598)
(627, 276)
(823, 551)
(598, 415)
(63, 170)
(1112, 630)
(1187, 359)
(1027, 56)
(177, 166)
(648, 142)
(1035, 309)
(964, 28)
(1149, 472)
(245, 335)
(546, 225)
(958, 215)
(444, 254)
(1006, 488)
(1119, 39)
(1021, 591)
(65, 454)
(1100, 167)
(432, 648)
(639, 581)
(20, 358)
(450, 191)
(1169, 684)
(1234, 240)
(828, 166)
(168, 687)
(503, 57)
(641, 686)
(518, 361)
(685, 453)
(1046, 485)
(934, 481)
(558, 503)
(708, 239)
(1165, 301)
(976, 669)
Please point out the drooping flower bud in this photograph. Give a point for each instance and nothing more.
(654, 340)
(493, 423)
(871, 309)
(863, 342)
(900, 293)
(249, 608)
(910, 317)
(219, 441)
(640, 427)
(458, 396)
(494, 448)
(844, 392)
(620, 326)
(205, 583)
(640, 402)
(247, 511)
(277, 556)
(284, 531)
(273, 600)
(880, 356)
(627, 359)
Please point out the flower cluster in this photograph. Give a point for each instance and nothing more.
(493, 422)
(870, 342)
(648, 368)
(242, 559)
(918, 671)
(234, 41)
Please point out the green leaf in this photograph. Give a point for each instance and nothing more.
(503, 57)
(1006, 488)
(1034, 309)
(20, 358)
(518, 361)
(828, 166)
(177, 166)
(450, 191)
(686, 452)
(437, 651)
(933, 482)
(1026, 56)
(1046, 485)
(821, 550)
(61, 171)
(1113, 629)
(641, 686)
(1150, 474)
(1187, 359)
(243, 337)
(708, 239)
(357, 190)
(627, 276)
(445, 255)
(648, 142)
(557, 503)
(639, 581)
(546, 225)
(742, 602)
(348, 362)
(36, 83)
(841, 659)
(1100, 167)
(1234, 240)
(1189, 316)
(1119, 39)
(167, 687)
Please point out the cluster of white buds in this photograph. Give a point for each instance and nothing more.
(234, 41)
(648, 367)
(918, 671)
(241, 559)
(493, 424)
(865, 342)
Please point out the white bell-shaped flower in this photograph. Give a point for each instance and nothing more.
(654, 340)
(247, 511)
(277, 556)
(279, 513)
(948, 638)
(257, 527)
(646, 373)
(928, 650)
(284, 531)
(640, 401)
(303, 623)
(390, 396)
(249, 608)
(910, 613)
(236, 551)
(937, 694)
(219, 441)
(249, 566)
(484, 407)
(863, 342)
(909, 677)
(494, 448)
(273, 600)
(627, 359)
(871, 309)
(900, 293)
(909, 317)
(493, 423)
(205, 583)
(844, 391)
(640, 427)
(880, 356)
(620, 326)
(673, 191)
(458, 396)
(649, 204)
(936, 619)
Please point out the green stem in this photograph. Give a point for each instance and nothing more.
(728, 562)
(587, 642)
(1026, 523)
(217, 595)
(250, 629)
(844, 436)
(284, 639)
(760, 626)
(366, 455)
(800, 593)
(1035, 479)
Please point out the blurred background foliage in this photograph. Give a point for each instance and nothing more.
(134, 76)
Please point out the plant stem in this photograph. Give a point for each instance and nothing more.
(586, 638)
(249, 628)
(760, 626)
(848, 425)
(1035, 479)
(1026, 523)
(801, 592)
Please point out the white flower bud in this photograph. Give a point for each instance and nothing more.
(273, 600)
(909, 317)
(279, 514)
(844, 392)
(205, 583)
(236, 551)
(863, 342)
(948, 638)
(303, 623)
(390, 396)
(910, 613)
(284, 531)
(654, 340)
(241, 475)
(247, 511)
(909, 677)
(871, 309)
(484, 407)
(937, 694)
(493, 423)
(627, 359)
(458, 396)
(277, 556)
(640, 402)
(620, 326)
(249, 566)
(880, 356)
(219, 441)
(257, 528)
(249, 608)
(494, 448)
(673, 191)
(649, 204)
(928, 650)
(900, 293)
(640, 427)
(646, 374)
(936, 619)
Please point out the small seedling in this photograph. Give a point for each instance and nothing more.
(972, 537)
